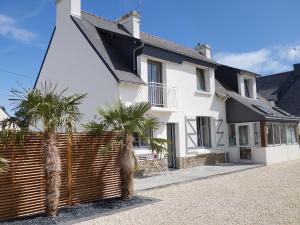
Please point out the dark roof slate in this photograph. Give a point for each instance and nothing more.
(149, 39)
(251, 103)
(269, 86)
(174, 47)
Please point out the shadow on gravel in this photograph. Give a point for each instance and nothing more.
(83, 212)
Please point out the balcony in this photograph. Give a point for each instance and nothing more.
(160, 96)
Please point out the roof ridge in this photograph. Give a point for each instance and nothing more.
(172, 42)
(100, 17)
(277, 74)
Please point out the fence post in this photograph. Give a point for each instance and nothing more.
(69, 168)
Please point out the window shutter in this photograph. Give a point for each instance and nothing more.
(220, 132)
(191, 133)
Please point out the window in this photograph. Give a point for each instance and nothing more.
(203, 132)
(289, 134)
(154, 72)
(281, 111)
(270, 134)
(231, 134)
(262, 109)
(256, 132)
(282, 134)
(247, 84)
(201, 85)
(141, 142)
(244, 135)
(155, 87)
(294, 133)
(276, 132)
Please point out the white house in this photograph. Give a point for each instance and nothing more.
(3, 114)
(114, 60)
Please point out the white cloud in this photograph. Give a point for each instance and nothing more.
(9, 29)
(264, 61)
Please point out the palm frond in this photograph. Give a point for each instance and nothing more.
(48, 106)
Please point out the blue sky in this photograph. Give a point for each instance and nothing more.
(257, 35)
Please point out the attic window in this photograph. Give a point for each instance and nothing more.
(263, 110)
(247, 88)
(281, 111)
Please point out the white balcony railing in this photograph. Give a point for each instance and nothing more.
(160, 95)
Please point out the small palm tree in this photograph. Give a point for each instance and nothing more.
(125, 121)
(49, 111)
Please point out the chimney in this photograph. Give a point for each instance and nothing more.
(204, 49)
(66, 8)
(297, 69)
(131, 21)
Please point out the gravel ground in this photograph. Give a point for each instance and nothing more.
(67, 214)
(266, 195)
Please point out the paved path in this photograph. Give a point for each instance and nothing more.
(264, 195)
(190, 174)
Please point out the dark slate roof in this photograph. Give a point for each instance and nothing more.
(269, 86)
(251, 103)
(112, 60)
(112, 26)
(283, 88)
(104, 24)
(290, 99)
(173, 47)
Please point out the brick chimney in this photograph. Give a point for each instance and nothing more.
(131, 21)
(66, 8)
(204, 49)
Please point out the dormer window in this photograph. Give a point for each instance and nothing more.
(247, 84)
(201, 81)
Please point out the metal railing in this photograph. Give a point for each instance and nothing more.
(160, 95)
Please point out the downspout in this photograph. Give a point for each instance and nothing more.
(134, 55)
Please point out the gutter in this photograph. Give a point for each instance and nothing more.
(134, 55)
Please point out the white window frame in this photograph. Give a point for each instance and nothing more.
(206, 80)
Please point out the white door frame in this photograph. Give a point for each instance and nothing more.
(250, 126)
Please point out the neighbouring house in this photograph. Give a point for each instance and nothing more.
(258, 131)
(195, 100)
(3, 113)
(282, 89)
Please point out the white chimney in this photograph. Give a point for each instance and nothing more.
(131, 22)
(66, 8)
(204, 49)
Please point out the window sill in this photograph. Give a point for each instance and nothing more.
(207, 93)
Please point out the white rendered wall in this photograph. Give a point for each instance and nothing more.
(72, 63)
(3, 115)
(191, 103)
(282, 153)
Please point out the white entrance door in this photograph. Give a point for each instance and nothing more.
(244, 143)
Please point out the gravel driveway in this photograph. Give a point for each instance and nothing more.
(266, 195)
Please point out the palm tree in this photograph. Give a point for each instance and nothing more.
(49, 111)
(124, 121)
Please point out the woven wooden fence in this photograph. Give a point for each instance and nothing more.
(88, 174)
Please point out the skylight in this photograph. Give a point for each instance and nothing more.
(281, 111)
(263, 110)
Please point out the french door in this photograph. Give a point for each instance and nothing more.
(244, 143)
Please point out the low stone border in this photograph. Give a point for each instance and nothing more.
(83, 212)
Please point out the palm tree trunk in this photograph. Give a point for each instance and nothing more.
(52, 169)
(126, 163)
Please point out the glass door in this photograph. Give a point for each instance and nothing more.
(244, 143)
